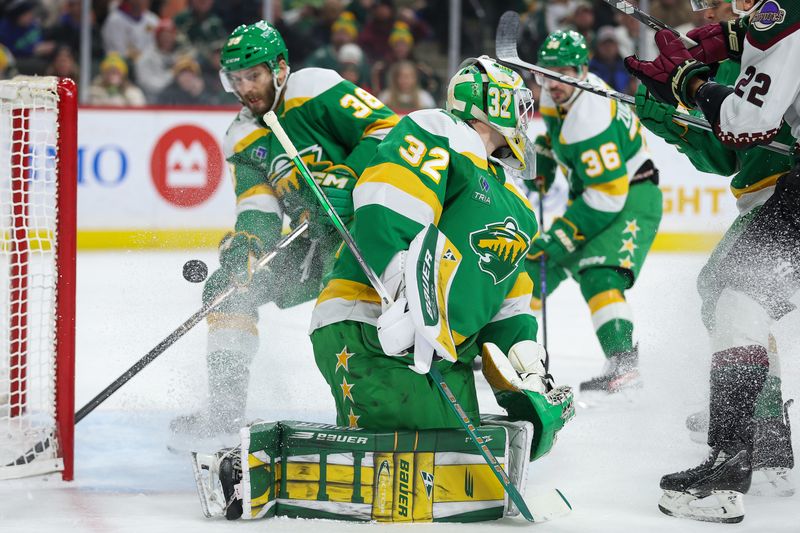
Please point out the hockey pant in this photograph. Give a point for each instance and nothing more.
(308, 470)
(759, 277)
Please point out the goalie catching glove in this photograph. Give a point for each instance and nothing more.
(523, 387)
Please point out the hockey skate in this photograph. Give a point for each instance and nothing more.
(773, 458)
(621, 373)
(711, 492)
(219, 477)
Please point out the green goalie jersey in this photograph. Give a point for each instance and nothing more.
(332, 122)
(600, 146)
(433, 169)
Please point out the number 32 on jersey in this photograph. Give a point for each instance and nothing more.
(433, 160)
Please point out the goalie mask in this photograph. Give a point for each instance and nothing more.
(495, 95)
(249, 46)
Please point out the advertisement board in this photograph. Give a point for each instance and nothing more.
(157, 178)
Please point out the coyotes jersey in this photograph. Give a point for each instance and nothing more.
(433, 168)
(767, 91)
(600, 144)
(331, 122)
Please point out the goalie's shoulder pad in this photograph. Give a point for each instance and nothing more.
(243, 132)
(309, 83)
(449, 130)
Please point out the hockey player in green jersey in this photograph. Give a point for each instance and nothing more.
(615, 204)
(438, 218)
(754, 174)
(337, 127)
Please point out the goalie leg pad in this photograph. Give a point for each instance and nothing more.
(302, 469)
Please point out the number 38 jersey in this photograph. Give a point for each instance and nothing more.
(600, 144)
(433, 169)
(331, 122)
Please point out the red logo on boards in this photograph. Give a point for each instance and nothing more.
(186, 165)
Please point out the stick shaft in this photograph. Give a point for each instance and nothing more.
(647, 19)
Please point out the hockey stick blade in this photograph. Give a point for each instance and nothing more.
(548, 504)
(506, 50)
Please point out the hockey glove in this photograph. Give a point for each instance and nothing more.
(668, 76)
(657, 117)
(337, 183)
(718, 42)
(562, 239)
(238, 252)
(545, 163)
(523, 387)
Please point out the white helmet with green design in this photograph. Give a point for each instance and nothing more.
(486, 91)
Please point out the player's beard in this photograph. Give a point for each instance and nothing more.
(560, 95)
(259, 102)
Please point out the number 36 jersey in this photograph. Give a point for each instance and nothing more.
(600, 144)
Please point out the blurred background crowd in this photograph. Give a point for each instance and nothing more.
(166, 52)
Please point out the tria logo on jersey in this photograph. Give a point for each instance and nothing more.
(500, 247)
(770, 14)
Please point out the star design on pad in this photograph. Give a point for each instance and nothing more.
(628, 246)
(626, 262)
(342, 358)
(631, 227)
(352, 419)
(347, 389)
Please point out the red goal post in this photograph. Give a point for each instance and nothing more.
(38, 212)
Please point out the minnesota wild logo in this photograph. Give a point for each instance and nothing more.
(284, 176)
(500, 247)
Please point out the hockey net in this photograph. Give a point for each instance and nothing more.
(38, 180)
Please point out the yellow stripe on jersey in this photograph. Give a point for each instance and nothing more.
(348, 290)
(600, 300)
(549, 112)
(523, 286)
(249, 139)
(381, 124)
(769, 181)
(407, 181)
(613, 109)
(477, 160)
(616, 187)
(261, 188)
(294, 102)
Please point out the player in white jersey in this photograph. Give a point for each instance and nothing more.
(760, 274)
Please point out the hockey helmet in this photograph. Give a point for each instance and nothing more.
(564, 49)
(251, 45)
(486, 91)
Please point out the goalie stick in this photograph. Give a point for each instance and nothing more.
(648, 20)
(506, 50)
(553, 502)
(161, 347)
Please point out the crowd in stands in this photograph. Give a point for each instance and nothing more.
(166, 52)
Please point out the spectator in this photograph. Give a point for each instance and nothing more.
(201, 26)
(557, 13)
(112, 87)
(674, 13)
(21, 33)
(154, 65)
(374, 37)
(8, 67)
(343, 31)
(401, 42)
(67, 30)
(63, 64)
(187, 87)
(351, 65)
(128, 29)
(216, 92)
(404, 94)
(583, 21)
(607, 62)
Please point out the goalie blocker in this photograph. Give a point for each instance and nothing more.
(309, 470)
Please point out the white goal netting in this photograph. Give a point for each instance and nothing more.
(28, 275)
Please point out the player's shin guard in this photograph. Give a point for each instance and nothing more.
(301, 469)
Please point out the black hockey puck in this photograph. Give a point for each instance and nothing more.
(195, 271)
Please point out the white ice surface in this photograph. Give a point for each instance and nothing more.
(607, 461)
